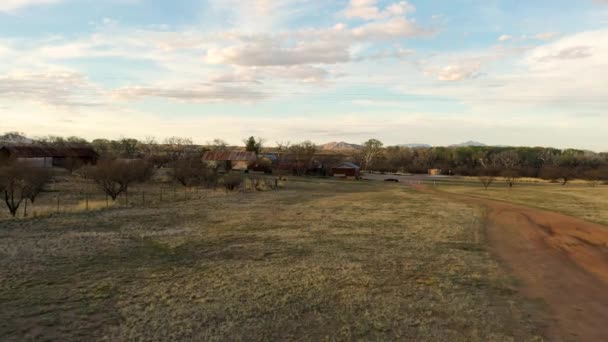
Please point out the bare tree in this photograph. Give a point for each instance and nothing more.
(509, 162)
(36, 180)
(20, 182)
(114, 177)
(150, 146)
(507, 159)
(304, 153)
(487, 176)
(218, 145)
(177, 148)
(159, 160)
(72, 164)
(282, 150)
(192, 172)
(555, 173)
(371, 150)
(510, 176)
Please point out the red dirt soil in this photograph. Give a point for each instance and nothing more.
(559, 259)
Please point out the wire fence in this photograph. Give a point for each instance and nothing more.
(57, 202)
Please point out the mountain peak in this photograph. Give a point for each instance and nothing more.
(340, 146)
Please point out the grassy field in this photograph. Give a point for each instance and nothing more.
(318, 260)
(578, 200)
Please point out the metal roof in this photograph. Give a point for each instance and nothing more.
(50, 152)
(347, 165)
(229, 156)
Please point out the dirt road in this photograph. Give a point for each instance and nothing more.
(559, 259)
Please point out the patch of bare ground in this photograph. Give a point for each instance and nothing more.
(560, 259)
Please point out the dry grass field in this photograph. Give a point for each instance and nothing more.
(318, 260)
(578, 200)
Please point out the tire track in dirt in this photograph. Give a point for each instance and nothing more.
(559, 259)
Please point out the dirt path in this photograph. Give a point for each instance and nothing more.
(559, 259)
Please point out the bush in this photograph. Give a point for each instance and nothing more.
(232, 181)
(194, 173)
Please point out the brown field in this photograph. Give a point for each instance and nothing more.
(318, 260)
(577, 199)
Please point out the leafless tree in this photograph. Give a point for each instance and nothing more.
(304, 153)
(507, 160)
(150, 147)
(192, 172)
(555, 173)
(177, 147)
(487, 176)
(20, 182)
(159, 160)
(371, 150)
(510, 176)
(218, 145)
(72, 164)
(114, 177)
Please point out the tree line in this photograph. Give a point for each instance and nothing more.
(128, 161)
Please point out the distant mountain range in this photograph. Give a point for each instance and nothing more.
(344, 146)
(415, 145)
(14, 139)
(469, 144)
(340, 146)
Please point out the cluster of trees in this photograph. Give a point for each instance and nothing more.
(508, 162)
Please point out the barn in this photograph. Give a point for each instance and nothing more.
(225, 161)
(42, 156)
(346, 169)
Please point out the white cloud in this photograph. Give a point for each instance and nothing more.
(458, 72)
(51, 87)
(504, 38)
(14, 5)
(270, 53)
(191, 93)
(302, 73)
(392, 28)
(547, 35)
(369, 10)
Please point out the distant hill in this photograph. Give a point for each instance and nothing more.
(415, 145)
(340, 146)
(13, 138)
(469, 144)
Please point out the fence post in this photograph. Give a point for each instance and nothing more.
(25, 209)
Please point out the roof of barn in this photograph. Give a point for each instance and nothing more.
(229, 156)
(347, 165)
(29, 151)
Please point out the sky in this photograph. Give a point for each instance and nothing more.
(516, 72)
